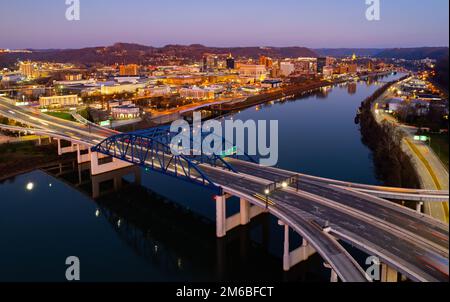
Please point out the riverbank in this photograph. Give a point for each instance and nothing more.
(23, 157)
(393, 166)
(399, 159)
(287, 91)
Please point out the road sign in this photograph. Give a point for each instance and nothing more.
(421, 138)
(105, 123)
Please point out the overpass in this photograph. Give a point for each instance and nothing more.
(324, 212)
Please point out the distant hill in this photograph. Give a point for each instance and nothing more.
(141, 54)
(346, 52)
(414, 53)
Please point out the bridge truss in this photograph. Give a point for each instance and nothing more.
(152, 149)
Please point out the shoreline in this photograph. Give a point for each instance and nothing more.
(222, 110)
(393, 166)
(400, 166)
(46, 155)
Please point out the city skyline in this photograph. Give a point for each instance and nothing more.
(287, 23)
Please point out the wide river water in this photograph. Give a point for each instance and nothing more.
(164, 229)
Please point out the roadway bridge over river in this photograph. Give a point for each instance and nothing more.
(324, 212)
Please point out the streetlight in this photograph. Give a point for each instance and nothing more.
(267, 192)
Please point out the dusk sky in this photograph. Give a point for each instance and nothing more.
(310, 23)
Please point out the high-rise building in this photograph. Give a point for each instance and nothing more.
(230, 62)
(286, 68)
(27, 69)
(262, 60)
(210, 62)
(129, 70)
(321, 63)
(266, 61)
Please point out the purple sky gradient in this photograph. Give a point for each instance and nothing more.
(311, 23)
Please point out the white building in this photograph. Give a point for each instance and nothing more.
(121, 88)
(12, 77)
(258, 72)
(156, 91)
(286, 68)
(327, 71)
(197, 93)
(124, 112)
(58, 100)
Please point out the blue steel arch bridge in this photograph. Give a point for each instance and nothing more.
(153, 149)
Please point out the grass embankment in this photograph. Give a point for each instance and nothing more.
(62, 115)
(67, 115)
(25, 156)
(439, 144)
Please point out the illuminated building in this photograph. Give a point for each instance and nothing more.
(184, 80)
(327, 71)
(129, 70)
(121, 88)
(73, 77)
(253, 71)
(305, 66)
(156, 91)
(123, 112)
(210, 62)
(271, 83)
(198, 93)
(27, 69)
(230, 62)
(59, 101)
(266, 61)
(321, 63)
(286, 68)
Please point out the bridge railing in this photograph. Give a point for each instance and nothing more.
(155, 154)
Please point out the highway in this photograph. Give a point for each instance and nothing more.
(400, 237)
(36, 119)
(431, 171)
(403, 248)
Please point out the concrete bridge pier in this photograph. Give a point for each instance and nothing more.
(246, 213)
(388, 274)
(64, 150)
(419, 205)
(83, 154)
(117, 180)
(298, 255)
(100, 168)
(333, 277)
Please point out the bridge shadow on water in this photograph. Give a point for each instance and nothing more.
(176, 241)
